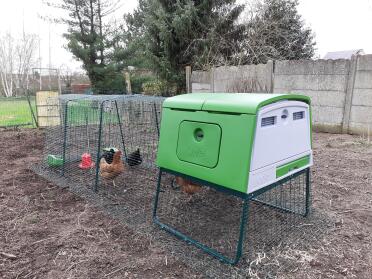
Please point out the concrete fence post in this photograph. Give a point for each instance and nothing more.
(270, 76)
(349, 93)
(211, 74)
(188, 80)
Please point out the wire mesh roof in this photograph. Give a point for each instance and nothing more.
(102, 98)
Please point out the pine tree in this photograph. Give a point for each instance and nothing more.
(277, 32)
(174, 34)
(90, 41)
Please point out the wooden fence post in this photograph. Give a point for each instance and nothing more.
(127, 81)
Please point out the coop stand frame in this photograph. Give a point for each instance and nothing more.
(246, 198)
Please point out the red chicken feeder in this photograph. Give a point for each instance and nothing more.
(86, 162)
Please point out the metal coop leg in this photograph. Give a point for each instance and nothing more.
(307, 198)
(205, 248)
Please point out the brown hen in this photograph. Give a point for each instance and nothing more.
(111, 171)
(187, 186)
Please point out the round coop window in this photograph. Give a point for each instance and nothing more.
(199, 134)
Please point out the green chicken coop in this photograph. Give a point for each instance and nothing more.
(240, 143)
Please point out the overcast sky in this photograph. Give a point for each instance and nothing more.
(337, 24)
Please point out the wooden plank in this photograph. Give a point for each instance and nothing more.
(47, 107)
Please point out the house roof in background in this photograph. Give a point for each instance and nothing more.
(344, 54)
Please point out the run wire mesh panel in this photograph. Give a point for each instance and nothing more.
(92, 126)
(213, 218)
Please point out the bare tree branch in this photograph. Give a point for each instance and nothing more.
(17, 57)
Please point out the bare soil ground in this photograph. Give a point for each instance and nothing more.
(48, 232)
(342, 187)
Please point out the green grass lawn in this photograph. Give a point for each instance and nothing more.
(15, 111)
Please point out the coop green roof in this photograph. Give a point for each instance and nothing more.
(247, 103)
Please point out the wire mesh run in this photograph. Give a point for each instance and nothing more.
(89, 127)
(214, 219)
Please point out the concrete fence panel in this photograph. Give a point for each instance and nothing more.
(340, 90)
(324, 81)
(247, 78)
(361, 104)
(201, 82)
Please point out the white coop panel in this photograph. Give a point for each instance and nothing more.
(282, 135)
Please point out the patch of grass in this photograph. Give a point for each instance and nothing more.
(15, 111)
(81, 113)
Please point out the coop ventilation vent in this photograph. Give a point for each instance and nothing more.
(298, 115)
(268, 121)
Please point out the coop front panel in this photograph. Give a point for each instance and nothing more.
(238, 141)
